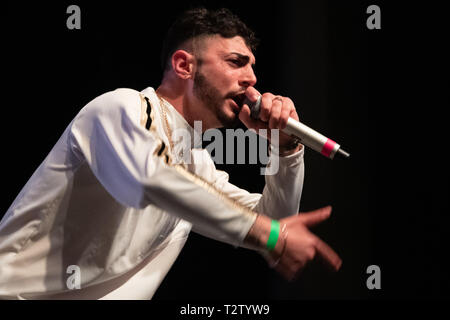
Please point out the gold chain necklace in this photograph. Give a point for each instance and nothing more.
(168, 131)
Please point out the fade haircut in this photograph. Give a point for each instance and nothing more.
(200, 22)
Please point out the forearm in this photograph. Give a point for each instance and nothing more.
(212, 213)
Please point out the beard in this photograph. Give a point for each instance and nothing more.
(213, 100)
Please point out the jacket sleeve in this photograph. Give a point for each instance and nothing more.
(132, 165)
(282, 191)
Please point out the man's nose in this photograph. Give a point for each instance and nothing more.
(248, 78)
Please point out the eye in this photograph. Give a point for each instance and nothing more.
(236, 62)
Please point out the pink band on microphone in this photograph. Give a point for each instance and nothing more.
(328, 147)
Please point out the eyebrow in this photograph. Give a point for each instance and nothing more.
(242, 57)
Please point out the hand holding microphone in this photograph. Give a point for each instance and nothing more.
(279, 113)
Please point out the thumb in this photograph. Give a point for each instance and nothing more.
(244, 115)
(315, 217)
(252, 94)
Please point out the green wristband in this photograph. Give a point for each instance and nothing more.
(273, 236)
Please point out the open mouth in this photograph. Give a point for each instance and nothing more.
(239, 99)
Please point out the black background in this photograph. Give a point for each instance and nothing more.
(379, 93)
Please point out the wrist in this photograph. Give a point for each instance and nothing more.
(259, 232)
(290, 147)
(288, 152)
(275, 256)
(268, 236)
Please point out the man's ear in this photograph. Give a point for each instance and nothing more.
(183, 64)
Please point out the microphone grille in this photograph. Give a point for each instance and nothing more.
(255, 107)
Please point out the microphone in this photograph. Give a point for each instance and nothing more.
(303, 133)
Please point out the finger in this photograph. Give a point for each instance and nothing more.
(252, 94)
(293, 114)
(312, 218)
(266, 106)
(287, 273)
(244, 116)
(297, 274)
(278, 266)
(326, 254)
(284, 116)
(275, 113)
(293, 111)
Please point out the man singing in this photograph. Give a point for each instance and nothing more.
(116, 197)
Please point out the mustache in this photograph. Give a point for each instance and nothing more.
(238, 96)
(235, 93)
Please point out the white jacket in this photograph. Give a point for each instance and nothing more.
(108, 200)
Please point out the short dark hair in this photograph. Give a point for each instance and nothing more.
(200, 22)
